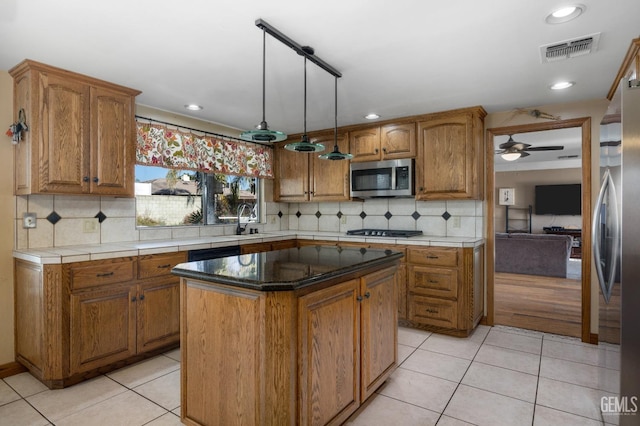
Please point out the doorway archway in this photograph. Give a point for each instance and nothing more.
(585, 125)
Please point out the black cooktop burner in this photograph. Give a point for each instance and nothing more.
(394, 233)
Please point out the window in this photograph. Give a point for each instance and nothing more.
(171, 197)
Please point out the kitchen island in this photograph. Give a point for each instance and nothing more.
(295, 336)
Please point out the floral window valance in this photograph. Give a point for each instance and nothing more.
(158, 145)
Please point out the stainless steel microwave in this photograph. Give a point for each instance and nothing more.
(389, 178)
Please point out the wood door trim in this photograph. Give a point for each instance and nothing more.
(585, 124)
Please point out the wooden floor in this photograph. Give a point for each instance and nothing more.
(548, 304)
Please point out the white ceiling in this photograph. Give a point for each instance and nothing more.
(398, 58)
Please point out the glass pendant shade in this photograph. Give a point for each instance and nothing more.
(304, 145)
(262, 132)
(335, 154)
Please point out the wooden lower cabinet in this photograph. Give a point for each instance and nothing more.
(279, 358)
(102, 327)
(445, 291)
(94, 316)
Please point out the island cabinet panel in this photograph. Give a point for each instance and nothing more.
(379, 319)
(223, 386)
(306, 356)
(449, 163)
(329, 327)
(81, 137)
(95, 316)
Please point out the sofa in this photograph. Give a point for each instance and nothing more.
(533, 254)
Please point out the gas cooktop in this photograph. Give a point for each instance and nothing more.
(393, 233)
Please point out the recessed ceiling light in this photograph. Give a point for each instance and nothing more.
(565, 14)
(561, 85)
(372, 116)
(193, 107)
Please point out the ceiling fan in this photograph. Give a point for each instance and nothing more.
(512, 150)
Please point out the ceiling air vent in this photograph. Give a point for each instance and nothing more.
(569, 48)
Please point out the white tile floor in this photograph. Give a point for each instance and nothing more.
(497, 376)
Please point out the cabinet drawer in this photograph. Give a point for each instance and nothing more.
(92, 274)
(157, 265)
(433, 281)
(432, 311)
(437, 256)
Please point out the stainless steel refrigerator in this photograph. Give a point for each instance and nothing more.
(616, 249)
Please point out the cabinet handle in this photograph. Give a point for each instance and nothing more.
(167, 265)
(375, 151)
(433, 282)
(106, 274)
(367, 295)
(142, 297)
(431, 311)
(421, 188)
(359, 298)
(95, 180)
(85, 179)
(430, 256)
(133, 299)
(384, 150)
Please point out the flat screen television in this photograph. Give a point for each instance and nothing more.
(558, 199)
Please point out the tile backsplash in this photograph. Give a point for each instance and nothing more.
(77, 220)
(436, 218)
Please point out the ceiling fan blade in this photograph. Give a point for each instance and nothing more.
(524, 154)
(545, 148)
(511, 143)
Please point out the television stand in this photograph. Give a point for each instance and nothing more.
(576, 246)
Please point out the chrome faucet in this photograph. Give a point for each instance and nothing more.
(241, 207)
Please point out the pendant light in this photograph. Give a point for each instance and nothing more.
(262, 132)
(304, 145)
(335, 154)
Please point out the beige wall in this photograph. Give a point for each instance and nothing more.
(6, 221)
(524, 182)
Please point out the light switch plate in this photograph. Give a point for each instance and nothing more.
(29, 220)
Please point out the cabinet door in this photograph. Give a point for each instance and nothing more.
(445, 164)
(433, 311)
(63, 140)
(329, 358)
(379, 329)
(365, 144)
(291, 175)
(103, 327)
(398, 141)
(433, 281)
(112, 143)
(158, 314)
(330, 179)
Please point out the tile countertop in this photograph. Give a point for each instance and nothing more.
(82, 253)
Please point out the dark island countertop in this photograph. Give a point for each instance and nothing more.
(285, 270)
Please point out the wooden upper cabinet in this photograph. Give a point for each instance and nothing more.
(81, 137)
(305, 177)
(291, 175)
(112, 138)
(449, 163)
(329, 179)
(365, 144)
(398, 141)
(388, 142)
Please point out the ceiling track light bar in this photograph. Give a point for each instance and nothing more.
(301, 50)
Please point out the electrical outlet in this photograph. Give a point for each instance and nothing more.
(343, 220)
(29, 220)
(90, 226)
(273, 220)
(456, 221)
